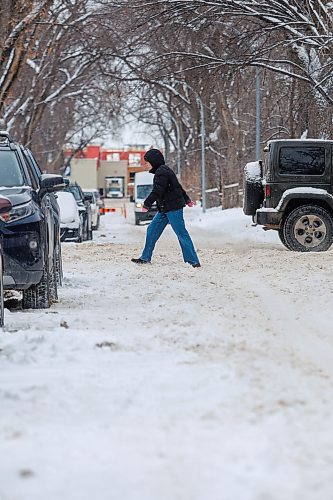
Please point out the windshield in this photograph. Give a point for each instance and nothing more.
(75, 191)
(10, 171)
(143, 191)
(90, 193)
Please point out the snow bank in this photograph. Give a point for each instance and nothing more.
(228, 227)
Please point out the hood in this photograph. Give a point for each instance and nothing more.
(155, 158)
(17, 195)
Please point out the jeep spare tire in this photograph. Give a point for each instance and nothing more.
(253, 188)
(308, 228)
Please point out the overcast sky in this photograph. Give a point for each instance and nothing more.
(134, 133)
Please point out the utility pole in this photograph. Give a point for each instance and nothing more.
(258, 113)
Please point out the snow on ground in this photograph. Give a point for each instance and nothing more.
(172, 383)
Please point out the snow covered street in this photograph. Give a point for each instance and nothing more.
(164, 382)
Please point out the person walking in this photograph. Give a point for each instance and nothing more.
(171, 199)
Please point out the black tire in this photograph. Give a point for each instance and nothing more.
(253, 196)
(80, 235)
(85, 232)
(2, 307)
(58, 264)
(137, 220)
(63, 235)
(308, 228)
(282, 238)
(95, 228)
(53, 288)
(90, 233)
(38, 296)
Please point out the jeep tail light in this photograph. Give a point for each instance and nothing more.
(267, 191)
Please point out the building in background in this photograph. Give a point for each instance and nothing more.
(110, 170)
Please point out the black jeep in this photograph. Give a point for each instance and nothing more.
(292, 192)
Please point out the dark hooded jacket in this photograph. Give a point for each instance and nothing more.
(167, 191)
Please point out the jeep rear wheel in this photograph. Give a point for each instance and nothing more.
(282, 238)
(308, 228)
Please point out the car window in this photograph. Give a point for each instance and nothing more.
(34, 164)
(10, 170)
(144, 191)
(92, 194)
(31, 170)
(75, 191)
(302, 161)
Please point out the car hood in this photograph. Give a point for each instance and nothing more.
(17, 195)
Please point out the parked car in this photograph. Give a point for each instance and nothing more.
(84, 208)
(92, 196)
(55, 212)
(30, 231)
(5, 208)
(292, 193)
(71, 224)
(100, 202)
(143, 185)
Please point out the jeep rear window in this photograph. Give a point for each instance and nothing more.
(10, 170)
(302, 161)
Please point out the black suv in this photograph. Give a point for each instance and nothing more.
(31, 230)
(84, 207)
(292, 192)
(5, 208)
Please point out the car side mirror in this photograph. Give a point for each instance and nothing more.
(52, 182)
(5, 205)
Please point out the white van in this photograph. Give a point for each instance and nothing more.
(143, 185)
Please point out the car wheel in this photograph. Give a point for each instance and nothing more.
(58, 264)
(53, 289)
(308, 228)
(2, 308)
(137, 220)
(38, 296)
(85, 232)
(80, 232)
(97, 223)
(282, 238)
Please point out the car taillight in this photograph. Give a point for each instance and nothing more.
(267, 191)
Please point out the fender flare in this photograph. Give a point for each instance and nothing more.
(327, 198)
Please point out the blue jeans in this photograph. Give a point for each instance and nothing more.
(156, 228)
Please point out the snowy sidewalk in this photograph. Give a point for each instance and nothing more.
(173, 383)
